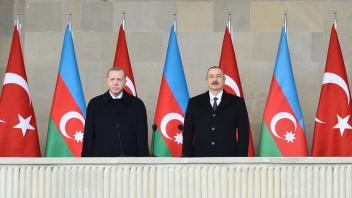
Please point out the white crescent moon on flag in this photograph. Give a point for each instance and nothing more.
(331, 78)
(12, 78)
(130, 85)
(232, 84)
(65, 118)
(166, 119)
(319, 121)
(277, 118)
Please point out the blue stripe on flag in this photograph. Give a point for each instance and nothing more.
(174, 74)
(69, 71)
(284, 75)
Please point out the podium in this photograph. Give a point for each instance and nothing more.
(256, 177)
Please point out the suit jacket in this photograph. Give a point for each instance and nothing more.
(209, 133)
(115, 127)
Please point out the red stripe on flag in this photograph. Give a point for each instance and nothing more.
(277, 103)
(64, 103)
(167, 104)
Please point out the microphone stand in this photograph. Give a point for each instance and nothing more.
(154, 127)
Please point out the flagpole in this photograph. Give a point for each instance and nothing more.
(285, 20)
(335, 19)
(229, 21)
(17, 22)
(123, 19)
(70, 21)
(229, 25)
(175, 23)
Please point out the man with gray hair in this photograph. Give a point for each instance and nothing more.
(116, 122)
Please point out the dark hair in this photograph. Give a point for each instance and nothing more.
(213, 67)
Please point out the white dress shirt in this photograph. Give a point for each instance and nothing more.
(217, 96)
(116, 97)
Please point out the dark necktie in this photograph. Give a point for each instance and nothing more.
(215, 105)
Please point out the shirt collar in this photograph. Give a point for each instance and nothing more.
(116, 97)
(217, 96)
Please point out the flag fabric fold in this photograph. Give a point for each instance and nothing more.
(282, 132)
(68, 110)
(18, 128)
(233, 85)
(171, 105)
(333, 126)
(122, 60)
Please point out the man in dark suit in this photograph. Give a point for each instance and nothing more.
(212, 121)
(116, 123)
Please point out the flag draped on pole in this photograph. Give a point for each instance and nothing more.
(282, 131)
(18, 128)
(122, 60)
(333, 126)
(233, 85)
(172, 104)
(68, 110)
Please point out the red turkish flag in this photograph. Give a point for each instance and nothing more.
(333, 125)
(18, 128)
(232, 82)
(122, 60)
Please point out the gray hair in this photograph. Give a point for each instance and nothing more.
(116, 69)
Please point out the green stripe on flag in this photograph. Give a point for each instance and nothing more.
(55, 144)
(160, 147)
(267, 145)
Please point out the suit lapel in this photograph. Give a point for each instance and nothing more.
(206, 102)
(224, 101)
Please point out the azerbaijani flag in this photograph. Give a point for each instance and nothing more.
(172, 104)
(68, 110)
(282, 131)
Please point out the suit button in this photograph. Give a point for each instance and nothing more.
(214, 115)
(213, 128)
(212, 143)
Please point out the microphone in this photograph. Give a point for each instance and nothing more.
(117, 127)
(180, 127)
(154, 127)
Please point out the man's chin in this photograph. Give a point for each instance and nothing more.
(116, 92)
(216, 89)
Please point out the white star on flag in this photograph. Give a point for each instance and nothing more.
(78, 136)
(289, 137)
(24, 124)
(178, 138)
(342, 124)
